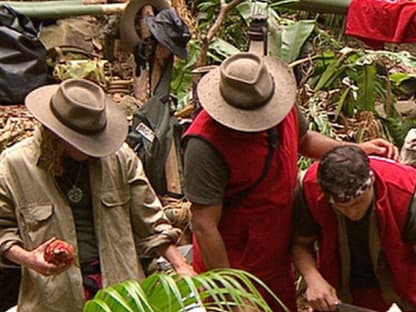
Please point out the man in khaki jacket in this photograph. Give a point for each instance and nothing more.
(76, 181)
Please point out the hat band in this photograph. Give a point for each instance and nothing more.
(95, 127)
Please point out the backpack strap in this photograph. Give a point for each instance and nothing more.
(272, 140)
(162, 89)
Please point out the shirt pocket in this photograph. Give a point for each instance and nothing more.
(37, 222)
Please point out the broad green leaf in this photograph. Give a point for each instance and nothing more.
(245, 9)
(399, 77)
(366, 87)
(293, 38)
(275, 34)
(341, 102)
(223, 48)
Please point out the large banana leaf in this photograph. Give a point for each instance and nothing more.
(293, 38)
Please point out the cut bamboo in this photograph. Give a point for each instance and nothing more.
(65, 8)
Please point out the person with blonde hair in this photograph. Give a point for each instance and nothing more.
(77, 186)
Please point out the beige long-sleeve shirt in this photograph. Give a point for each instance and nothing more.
(127, 214)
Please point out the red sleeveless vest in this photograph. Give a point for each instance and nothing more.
(394, 185)
(256, 229)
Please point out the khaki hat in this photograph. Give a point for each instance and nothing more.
(79, 112)
(247, 92)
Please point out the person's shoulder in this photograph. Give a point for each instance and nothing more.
(124, 155)
(27, 146)
(386, 164)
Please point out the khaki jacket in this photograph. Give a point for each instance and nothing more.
(127, 216)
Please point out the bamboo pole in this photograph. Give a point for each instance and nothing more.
(44, 10)
(64, 8)
(33, 4)
(318, 6)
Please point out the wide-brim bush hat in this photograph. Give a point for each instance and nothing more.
(79, 112)
(170, 31)
(248, 92)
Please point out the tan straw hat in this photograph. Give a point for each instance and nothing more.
(247, 92)
(79, 112)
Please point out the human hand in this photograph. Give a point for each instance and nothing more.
(185, 269)
(37, 262)
(321, 296)
(380, 147)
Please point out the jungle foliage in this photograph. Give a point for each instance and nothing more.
(346, 91)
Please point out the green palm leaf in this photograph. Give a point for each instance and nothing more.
(216, 290)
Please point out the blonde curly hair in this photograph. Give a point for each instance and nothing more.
(52, 151)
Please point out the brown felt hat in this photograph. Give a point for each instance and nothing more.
(248, 92)
(79, 112)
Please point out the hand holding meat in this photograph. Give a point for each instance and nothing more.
(58, 251)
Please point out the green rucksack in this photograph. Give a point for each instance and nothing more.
(153, 131)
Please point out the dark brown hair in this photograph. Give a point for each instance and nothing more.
(343, 169)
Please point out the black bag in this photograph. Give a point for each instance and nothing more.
(153, 131)
(23, 64)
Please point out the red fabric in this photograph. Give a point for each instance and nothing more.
(394, 186)
(380, 21)
(369, 298)
(91, 278)
(256, 230)
(96, 279)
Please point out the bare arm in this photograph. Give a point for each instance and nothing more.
(35, 260)
(176, 259)
(319, 293)
(205, 221)
(314, 145)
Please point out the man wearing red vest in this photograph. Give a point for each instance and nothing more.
(241, 169)
(362, 211)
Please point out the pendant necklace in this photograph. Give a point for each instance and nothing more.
(75, 193)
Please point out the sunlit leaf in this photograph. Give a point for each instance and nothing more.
(293, 38)
(366, 89)
(216, 290)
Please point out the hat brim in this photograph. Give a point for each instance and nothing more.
(100, 144)
(265, 117)
(128, 33)
(160, 34)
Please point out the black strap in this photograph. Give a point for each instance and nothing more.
(272, 140)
